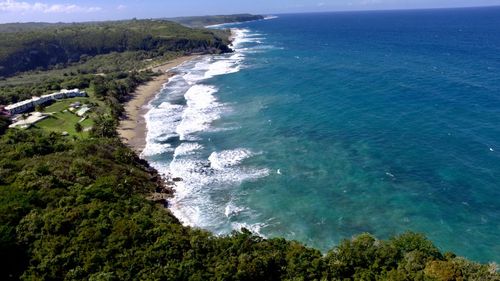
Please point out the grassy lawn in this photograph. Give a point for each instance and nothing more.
(64, 121)
(64, 104)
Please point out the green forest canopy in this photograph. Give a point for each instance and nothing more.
(75, 209)
(53, 45)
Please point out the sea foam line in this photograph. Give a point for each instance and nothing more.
(173, 129)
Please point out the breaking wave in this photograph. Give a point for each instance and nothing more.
(178, 118)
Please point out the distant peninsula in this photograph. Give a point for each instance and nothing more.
(203, 21)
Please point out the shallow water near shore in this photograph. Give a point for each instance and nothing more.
(323, 126)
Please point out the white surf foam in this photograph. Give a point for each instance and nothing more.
(245, 42)
(223, 66)
(192, 108)
(161, 123)
(213, 66)
(197, 73)
(232, 210)
(202, 109)
(152, 149)
(254, 228)
(240, 36)
(228, 158)
(201, 179)
(187, 148)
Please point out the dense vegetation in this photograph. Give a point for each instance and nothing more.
(113, 88)
(203, 21)
(60, 45)
(75, 208)
(4, 124)
(29, 26)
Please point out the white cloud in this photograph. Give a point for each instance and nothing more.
(121, 7)
(23, 7)
(370, 2)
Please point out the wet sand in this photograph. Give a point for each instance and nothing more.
(132, 128)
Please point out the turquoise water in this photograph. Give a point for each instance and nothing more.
(323, 126)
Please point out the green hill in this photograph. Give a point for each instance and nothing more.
(203, 21)
(61, 44)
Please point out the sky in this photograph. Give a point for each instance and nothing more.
(91, 10)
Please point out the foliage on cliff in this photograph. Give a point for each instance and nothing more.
(60, 45)
(75, 209)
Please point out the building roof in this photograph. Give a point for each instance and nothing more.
(26, 102)
(18, 104)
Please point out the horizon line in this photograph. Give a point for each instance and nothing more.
(391, 10)
(270, 14)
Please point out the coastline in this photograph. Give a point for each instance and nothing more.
(132, 128)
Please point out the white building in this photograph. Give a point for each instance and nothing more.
(73, 93)
(56, 96)
(20, 107)
(45, 98)
(83, 110)
(33, 118)
(28, 105)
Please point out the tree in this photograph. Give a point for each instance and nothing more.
(99, 86)
(39, 108)
(4, 124)
(78, 127)
(104, 127)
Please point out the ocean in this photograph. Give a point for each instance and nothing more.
(323, 126)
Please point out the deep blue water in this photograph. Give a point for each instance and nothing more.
(323, 126)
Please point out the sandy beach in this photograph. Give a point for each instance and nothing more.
(132, 128)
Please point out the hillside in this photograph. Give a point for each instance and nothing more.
(59, 45)
(203, 21)
(29, 26)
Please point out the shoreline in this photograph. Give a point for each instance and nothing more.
(132, 128)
